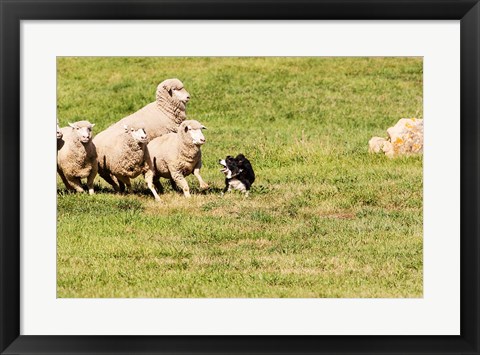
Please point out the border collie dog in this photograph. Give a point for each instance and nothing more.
(238, 172)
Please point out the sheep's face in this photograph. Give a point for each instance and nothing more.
(175, 90)
(180, 94)
(195, 133)
(59, 133)
(83, 130)
(138, 134)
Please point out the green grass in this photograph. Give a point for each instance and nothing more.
(324, 218)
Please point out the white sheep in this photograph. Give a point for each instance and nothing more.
(60, 141)
(176, 155)
(165, 114)
(59, 132)
(123, 155)
(77, 157)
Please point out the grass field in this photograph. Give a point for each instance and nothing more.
(324, 218)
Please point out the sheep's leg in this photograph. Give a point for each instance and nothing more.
(64, 179)
(91, 178)
(150, 178)
(124, 180)
(118, 183)
(121, 186)
(76, 183)
(181, 183)
(174, 185)
(108, 178)
(129, 184)
(158, 185)
(196, 172)
(149, 175)
(203, 184)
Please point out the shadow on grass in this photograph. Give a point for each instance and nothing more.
(141, 190)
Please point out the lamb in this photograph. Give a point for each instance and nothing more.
(77, 156)
(165, 114)
(123, 155)
(176, 155)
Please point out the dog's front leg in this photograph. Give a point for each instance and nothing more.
(227, 187)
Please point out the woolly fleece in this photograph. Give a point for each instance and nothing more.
(162, 116)
(174, 156)
(76, 160)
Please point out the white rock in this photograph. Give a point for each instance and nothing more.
(375, 145)
(388, 149)
(406, 137)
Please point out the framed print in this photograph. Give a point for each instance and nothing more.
(312, 214)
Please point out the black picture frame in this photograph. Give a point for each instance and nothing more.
(12, 12)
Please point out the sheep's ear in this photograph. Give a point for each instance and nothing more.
(203, 127)
(168, 88)
(71, 125)
(92, 125)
